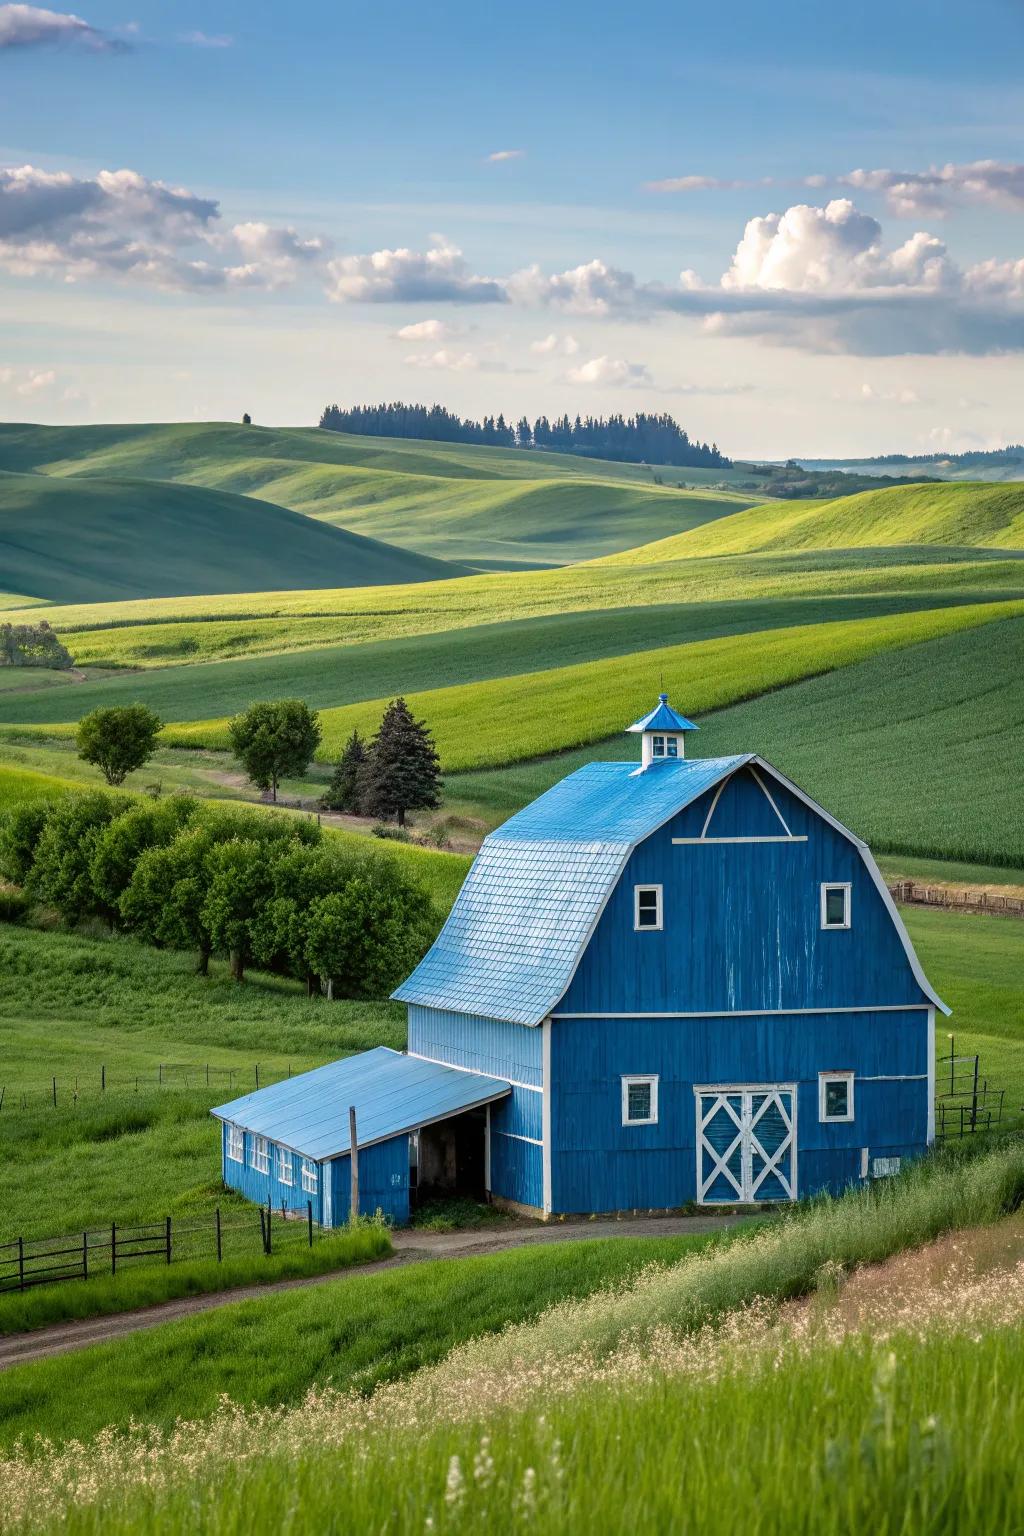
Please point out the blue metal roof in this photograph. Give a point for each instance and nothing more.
(663, 718)
(391, 1093)
(540, 882)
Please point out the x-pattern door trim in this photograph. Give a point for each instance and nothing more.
(780, 1096)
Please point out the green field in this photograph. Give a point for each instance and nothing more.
(485, 507)
(97, 539)
(950, 516)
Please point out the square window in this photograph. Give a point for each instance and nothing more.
(639, 1100)
(647, 906)
(671, 746)
(835, 1096)
(835, 905)
(658, 746)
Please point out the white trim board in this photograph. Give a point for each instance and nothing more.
(696, 842)
(515, 1136)
(513, 1082)
(546, 1115)
(750, 1013)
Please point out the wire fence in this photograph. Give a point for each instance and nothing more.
(64, 1090)
(119, 1247)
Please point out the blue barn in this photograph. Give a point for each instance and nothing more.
(667, 982)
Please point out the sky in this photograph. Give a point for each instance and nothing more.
(797, 228)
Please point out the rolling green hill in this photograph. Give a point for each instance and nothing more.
(971, 515)
(486, 507)
(94, 539)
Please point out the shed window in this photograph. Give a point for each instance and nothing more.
(639, 1101)
(284, 1166)
(236, 1144)
(309, 1176)
(835, 1095)
(260, 1154)
(835, 905)
(647, 905)
(665, 746)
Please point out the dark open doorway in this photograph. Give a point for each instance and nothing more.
(450, 1157)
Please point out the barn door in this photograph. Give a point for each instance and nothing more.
(746, 1144)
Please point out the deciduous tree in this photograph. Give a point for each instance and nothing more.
(118, 739)
(275, 740)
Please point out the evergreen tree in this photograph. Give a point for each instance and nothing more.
(342, 794)
(402, 771)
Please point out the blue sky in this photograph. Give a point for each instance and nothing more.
(308, 183)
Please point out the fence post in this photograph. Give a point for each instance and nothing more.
(270, 1236)
(21, 1263)
(103, 1079)
(309, 1220)
(207, 1074)
(113, 1247)
(160, 1072)
(55, 1093)
(85, 1255)
(257, 1074)
(219, 1249)
(3, 1090)
(168, 1220)
(263, 1230)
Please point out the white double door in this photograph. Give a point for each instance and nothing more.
(746, 1143)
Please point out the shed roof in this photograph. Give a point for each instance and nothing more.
(391, 1093)
(538, 886)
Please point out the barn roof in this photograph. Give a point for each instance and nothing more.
(539, 884)
(391, 1093)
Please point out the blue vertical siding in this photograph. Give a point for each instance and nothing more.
(517, 1171)
(383, 1182)
(261, 1187)
(597, 1163)
(742, 925)
(498, 1049)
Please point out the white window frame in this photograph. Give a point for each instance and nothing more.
(260, 1154)
(630, 1081)
(310, 1178)
(824, 1078)
(846, 887)
(284, 1165)
(236, 1143)
(655, 927)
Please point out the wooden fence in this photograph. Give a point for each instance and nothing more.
(63, 1090)
(910, 892)
(110, 1250)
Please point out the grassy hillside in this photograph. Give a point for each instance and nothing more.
(329, 676)
(96, 539)
(485, 506)
(953, 516)
(912, 748)
(508, 719)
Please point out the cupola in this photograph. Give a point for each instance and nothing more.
(662, 733)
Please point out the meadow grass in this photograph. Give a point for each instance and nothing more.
(952, 515)
(507, 719)
(354, 1332)
(148, 1285)
(614, 1404)
(94, 539)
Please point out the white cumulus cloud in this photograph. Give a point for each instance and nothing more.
(609, 370)
(440, 274)
(424, 330)
(33, 26)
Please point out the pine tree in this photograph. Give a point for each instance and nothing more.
(343, 792)
(402, 767)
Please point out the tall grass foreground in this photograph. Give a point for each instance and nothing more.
(683, 1380)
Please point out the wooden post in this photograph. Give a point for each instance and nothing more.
(103, 1079)
(309, 1220)
(113, 1247)
(168, 1220)
(55, 1093)
(353, 1157)
(85, 1255)
(257, 1075)
(219, 1250)
(21, 1263)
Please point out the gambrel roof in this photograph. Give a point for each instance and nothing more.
(539, 884)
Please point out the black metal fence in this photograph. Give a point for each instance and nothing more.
(964, 1101)
(68, 1090)
(111, 1250)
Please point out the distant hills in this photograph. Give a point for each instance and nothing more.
(977, 464)
(96, 538)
